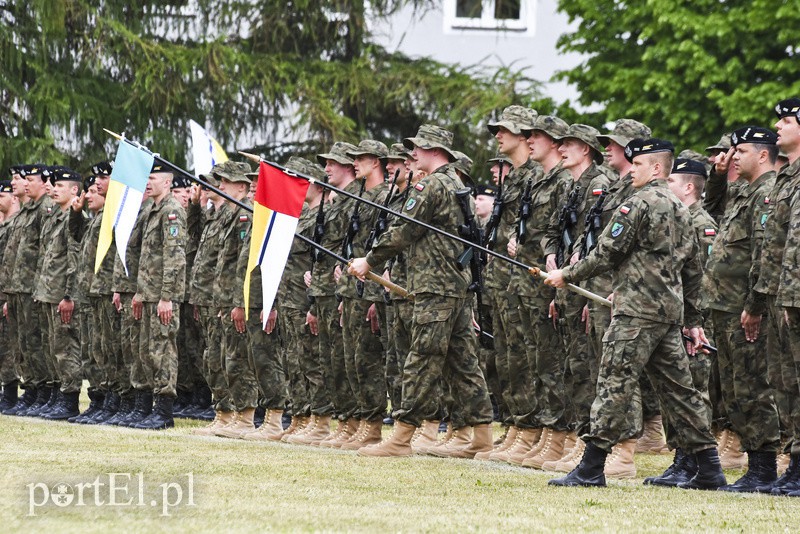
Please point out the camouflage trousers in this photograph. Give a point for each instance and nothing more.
(29, 327)
(781, 371)
(264, 353)
(443, 344)
(331, 344)
(8, 367)
(213, 360)
(488, 361)
(547, 357)
(632, 346)
(745, 386)
(241, 377)
(158, 349)
(48, 354)
(91, 371)
(394, 367)
(580, 368)
(364, 359)
(793, 340)
(106, 344)
(65, 349)
(129, 332)
(511, 358)
(700, 367)
(309, 386)
(190, 351)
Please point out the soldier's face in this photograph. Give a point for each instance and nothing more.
(94, 200)
(642, 170)
(573, 152)
(788, 134)
(616, 156)
(483, 206)
(746, 160)
(337, 172)
(158, 184)
(181, 194)
(6, 200)
(18, 185)
(677, 185)
(394, 165)
(35, 187)
(508, 142)
(365, 164)
(541, 145)
(102, 184)
(64, 192)
(495, 170)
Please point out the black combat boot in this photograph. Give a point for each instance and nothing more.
(761, 471)
(10, 397)
(161, 418)
(52, 402)
(201, 408)
(258, 416)
(125, 408)
(42, 397)
(589, 472)
(23, 402)
(788, 482)
(110, 407)
(143, 406)
(184, 401)
(96, 400)
(66, 408)
(683, 468)
(709, 472)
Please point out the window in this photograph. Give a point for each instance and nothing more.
(491, 15)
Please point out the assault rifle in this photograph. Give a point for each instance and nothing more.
(567, 219)
(353, 226)
(319, 227)
(524, 212)
(497, 212)
(594, 225)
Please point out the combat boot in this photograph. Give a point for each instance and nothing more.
(270, 430)
(553, 449)
(652, 440)
(459, 439)
(569, 444)
(10, 397)
(783, 463)
(370, 435)
(127, 404)
(182, 402)
(507, 441)
(319, 429)
(222, 419)
(42, 397)
(68, 407)
(527, 439)
(299, 424)
(110, 407)
(258, 416)
(347, 429)
(481, 442)
(241, 425)
(619, 463)
(52, 402)
(96, 400)
(427, 436)
(762, 471)
(589, 471)
(161, 417)
(682, 470)
(396, 445)
(788, 482)
(502, 439)
(709, 472)
(201, 408)
(23, 402)
(142, 408)
(731, 456)
(722, 440)
(571, 460)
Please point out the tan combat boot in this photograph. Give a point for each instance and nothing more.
(619, 464)
(220, 419)
(502, 439)
(569, 444)
(298, 424)
(396, 445)
(571, 461)
(370, 434)
(347, 429)
(732, 456)
(552, 449)
(319, 429)
(270, 430)
(241, 425)
(543, 437)
(509, 438)
(652, 440)
(783, 463)
(460, 439)
(426, 437)
(527, 439)
(481, 442)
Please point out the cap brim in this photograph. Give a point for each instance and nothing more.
(356, 154)
(606, 139)
(512, 127)
(716, 147)
(323, 159)
(411, 142)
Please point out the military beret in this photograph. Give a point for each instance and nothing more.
(103, 167)
(689, 166)
(369, 147)
(638, 147)
(180, 182)
(488, 190)
(788, 108)
(337, 153)
(89, 181)
(625, 130)
(754, 134)
(515, 119)
(61, 174)
(160, 167)
(32, 170)
(587, 135)
(232, 171)
(14, 169)
(5, 186)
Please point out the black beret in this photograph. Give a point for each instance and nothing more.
(788, 108)
(30, 170)
(180, 181)
(753, 134)
(689, 166)
(103, 167)
(160, 167)
(5, 186)
(14, 169)
(637, 147)
(488, 190)
(61, 174)
(89, 182)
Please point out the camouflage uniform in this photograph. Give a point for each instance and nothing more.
(731, 274)
(161, 277)
(8, 367)
(652, 253)
(12, 234)
(190, 338)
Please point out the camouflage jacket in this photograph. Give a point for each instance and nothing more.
(789, 287)
(9, 238)
(162, 263)
(256, 293)
(58, 264)
(705, 228)
(399, 266)
(227, 285)
(651, 250)
(195, 224)
(126, 283)
(432, 258)
(776, 227)
(28, 258)
(201, 286)
(498, 272)
(83, 231)
(733, 267)
(546, 193)
(718, 192)
(293, 293)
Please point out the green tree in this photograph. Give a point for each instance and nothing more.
(689, 69)
(250, 68)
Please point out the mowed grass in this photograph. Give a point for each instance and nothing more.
(245, 487)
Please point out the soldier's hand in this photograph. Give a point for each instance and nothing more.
(512, 247)
(196, 313)
(313, 325)
(195, 194)
(237, 316)
(137, 307)
(65, 309)
(698, 336)
(337, 273)
(574, 259)
(359, 268)
(374, 320)
(550, 262)
(785, 315)
(339, 308)
(164, 311)
(388, 277)
(552, 313)
(585, 318)
(77, 202)
(555, 278)
(307, 278)
(723, 161)
(117, 302)
(751, 325)
(272, 319)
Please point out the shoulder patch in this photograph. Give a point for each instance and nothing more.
(172, 216)
(597, 192)
(709, 231)
(173, 230)
(766, 200)
(49, 210)
(420, 186)
(410, 204)
(243, 218)
(624, 210)
(763, 220)
(242, 235)
(617, 229)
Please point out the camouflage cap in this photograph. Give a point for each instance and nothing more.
(499, 158)
(463, 163)
(397, 151)
(209, 176)
(552, 126)
(692, 155)
(724, 144)
(232, 171)
(625, 131)
(586, 134)
(337, 153)
(303, 166)
(369, 147)
(429, 137)
(516, 119)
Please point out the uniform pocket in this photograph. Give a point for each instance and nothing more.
(621, 333)
(434, 315)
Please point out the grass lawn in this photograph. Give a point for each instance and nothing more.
(243, 486)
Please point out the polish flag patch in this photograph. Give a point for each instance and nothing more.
(597, 192)
(420, 186)
(624, 210)
(766, 200)
(243, 218)
(710, 231)
(172, 217)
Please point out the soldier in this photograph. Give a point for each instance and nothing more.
(442, 341)
(651, 250)
(9, 207)
(715, 204)
(159, 287)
